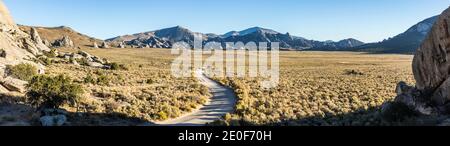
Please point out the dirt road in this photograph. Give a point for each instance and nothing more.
(222, 102)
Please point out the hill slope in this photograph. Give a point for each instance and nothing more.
(406, 42)
(54, 33)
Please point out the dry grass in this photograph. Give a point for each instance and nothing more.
(322, 88)
(147, 90)
(316, 88)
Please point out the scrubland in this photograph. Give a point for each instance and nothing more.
(316, 88)
(142, 87)
(320, 89)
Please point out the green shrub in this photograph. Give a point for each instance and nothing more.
(52, 92)
(89, 79)
(124, 67)
(354, 72)
(45, 60)
(150, 81)
(82, 61)
(23, 71)
(163, 115)
(103, 80)
(116, 66)
(51, 54)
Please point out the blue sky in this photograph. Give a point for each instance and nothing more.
(366, 20)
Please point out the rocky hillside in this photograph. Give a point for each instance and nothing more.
(16, 47)
(62, 36)
(406, 42)
(164, 38)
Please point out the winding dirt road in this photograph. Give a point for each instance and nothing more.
(222, 102)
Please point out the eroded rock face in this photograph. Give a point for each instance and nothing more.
(121, 45)
(95, 45)
(88, 59)
(17, 47)
(104, 45)
(64, 42)
(47, 43)
(431, 64)
(3, 90)
(13, 84)
(35, 35)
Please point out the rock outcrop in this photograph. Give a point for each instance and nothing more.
(35, 35)
(431, 67)
(64, 42)
(121, 45)
(40, 45)
(104, 45)
(95, 45)
(431, 64)
(13, 84)
(53, 117)
(432, 60)
(17, 47)
(85, 59)
(47, 43)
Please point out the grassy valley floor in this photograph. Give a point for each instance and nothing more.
(316, 88)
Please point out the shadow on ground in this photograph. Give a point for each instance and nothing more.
(366, 117)
(399, 116)
(15, 113)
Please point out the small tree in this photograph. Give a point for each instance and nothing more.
(52, 92)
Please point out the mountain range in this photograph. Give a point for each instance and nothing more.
(406, 42)
(165, 37)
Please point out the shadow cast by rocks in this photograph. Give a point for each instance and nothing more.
(105, 119)
(399, 116)
(13, 112)
(367, 117)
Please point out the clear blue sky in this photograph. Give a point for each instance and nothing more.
(366, 20)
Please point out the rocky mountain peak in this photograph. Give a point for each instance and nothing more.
(248, 31)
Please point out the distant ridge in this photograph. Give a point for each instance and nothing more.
(175, 34)
(406, 42)
(54, 33)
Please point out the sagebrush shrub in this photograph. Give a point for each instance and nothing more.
(116, 66)
(51, 54)
(89, 79)
(23, 71)
(52, 92)
(103, 80)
